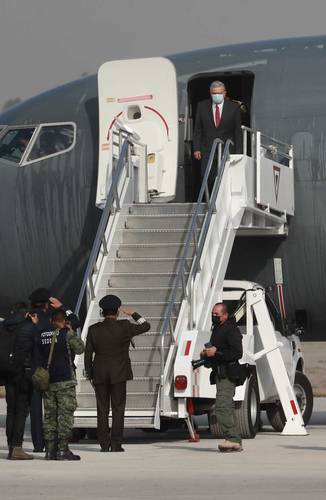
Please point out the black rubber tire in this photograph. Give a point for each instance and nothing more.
(248, 411)
(303, 391)
(248, 418)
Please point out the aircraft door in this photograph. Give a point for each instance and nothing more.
(142, 94)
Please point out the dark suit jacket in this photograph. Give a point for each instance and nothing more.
(229, 128)
(109, 340)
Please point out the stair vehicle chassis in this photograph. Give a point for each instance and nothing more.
(259, 392)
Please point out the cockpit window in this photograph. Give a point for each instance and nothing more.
(14, 143)
(52, 140)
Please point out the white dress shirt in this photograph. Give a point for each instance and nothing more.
(220, 108)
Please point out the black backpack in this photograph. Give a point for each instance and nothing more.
(7, 352)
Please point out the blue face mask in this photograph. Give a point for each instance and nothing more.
(217, 98)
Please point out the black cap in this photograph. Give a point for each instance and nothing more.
(110, 302)
(40, 295)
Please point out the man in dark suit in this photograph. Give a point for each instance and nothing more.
(217, 117)
(109, 340)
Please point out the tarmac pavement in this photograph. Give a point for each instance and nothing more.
(166, 466)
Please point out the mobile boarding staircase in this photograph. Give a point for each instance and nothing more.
(168, 262)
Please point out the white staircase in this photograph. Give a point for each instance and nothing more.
(168, 262)
(141, 268)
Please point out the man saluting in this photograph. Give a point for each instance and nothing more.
(110, 369)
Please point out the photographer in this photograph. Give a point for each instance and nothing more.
(18, 345)
(42, 303)
(60, 396)
(223, 356)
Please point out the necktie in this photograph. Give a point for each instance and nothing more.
(217, 116)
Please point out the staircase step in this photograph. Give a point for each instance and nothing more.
(149, 354)
(146, 309)
(156, 322)
(145, 369)
(138, 384)
(150, 294)
(159, 250)
(169, 221)
(164, 208)
(137, 280)
(143, 384)
(149, 339)
(153, 235)
(144, 265)
(138, 400)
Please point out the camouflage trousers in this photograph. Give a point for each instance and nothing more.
(59, 406)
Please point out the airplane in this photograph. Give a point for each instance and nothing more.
(49, 158)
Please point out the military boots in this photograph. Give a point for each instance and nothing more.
(50, 451)
(67, 455)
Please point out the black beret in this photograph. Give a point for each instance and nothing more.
(110, 302)
(40, 295)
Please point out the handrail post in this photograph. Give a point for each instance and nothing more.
(258, 153)
(244, 141)
(291, 160)
(219, 156)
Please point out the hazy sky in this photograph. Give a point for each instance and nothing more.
(44, 43)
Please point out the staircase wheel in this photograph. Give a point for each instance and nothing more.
(248, 411)
(304, 395)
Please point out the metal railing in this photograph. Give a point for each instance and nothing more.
(271, 147)
(126, 142)
(198, 244)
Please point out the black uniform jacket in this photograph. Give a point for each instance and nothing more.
(229, 128)
(24, 341)
(228, 341)
(109, 340)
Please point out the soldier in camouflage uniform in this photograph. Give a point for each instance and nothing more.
(60, 399)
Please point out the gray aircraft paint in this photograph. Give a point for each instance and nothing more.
(47, 212)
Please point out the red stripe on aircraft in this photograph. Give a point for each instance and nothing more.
(112, 123)
(161, 116)
(136, 98)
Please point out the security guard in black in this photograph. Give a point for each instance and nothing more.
(226, 349)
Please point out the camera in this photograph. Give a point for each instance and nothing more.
(197, 363)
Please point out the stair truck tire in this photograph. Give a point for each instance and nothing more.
(247, 413)
(303, 392)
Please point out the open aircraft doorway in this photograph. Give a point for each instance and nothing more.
(239, 86)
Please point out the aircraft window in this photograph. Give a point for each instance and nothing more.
(14, 143)
(52, 140)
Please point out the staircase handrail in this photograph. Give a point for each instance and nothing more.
(112, 196)
(221, 162)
